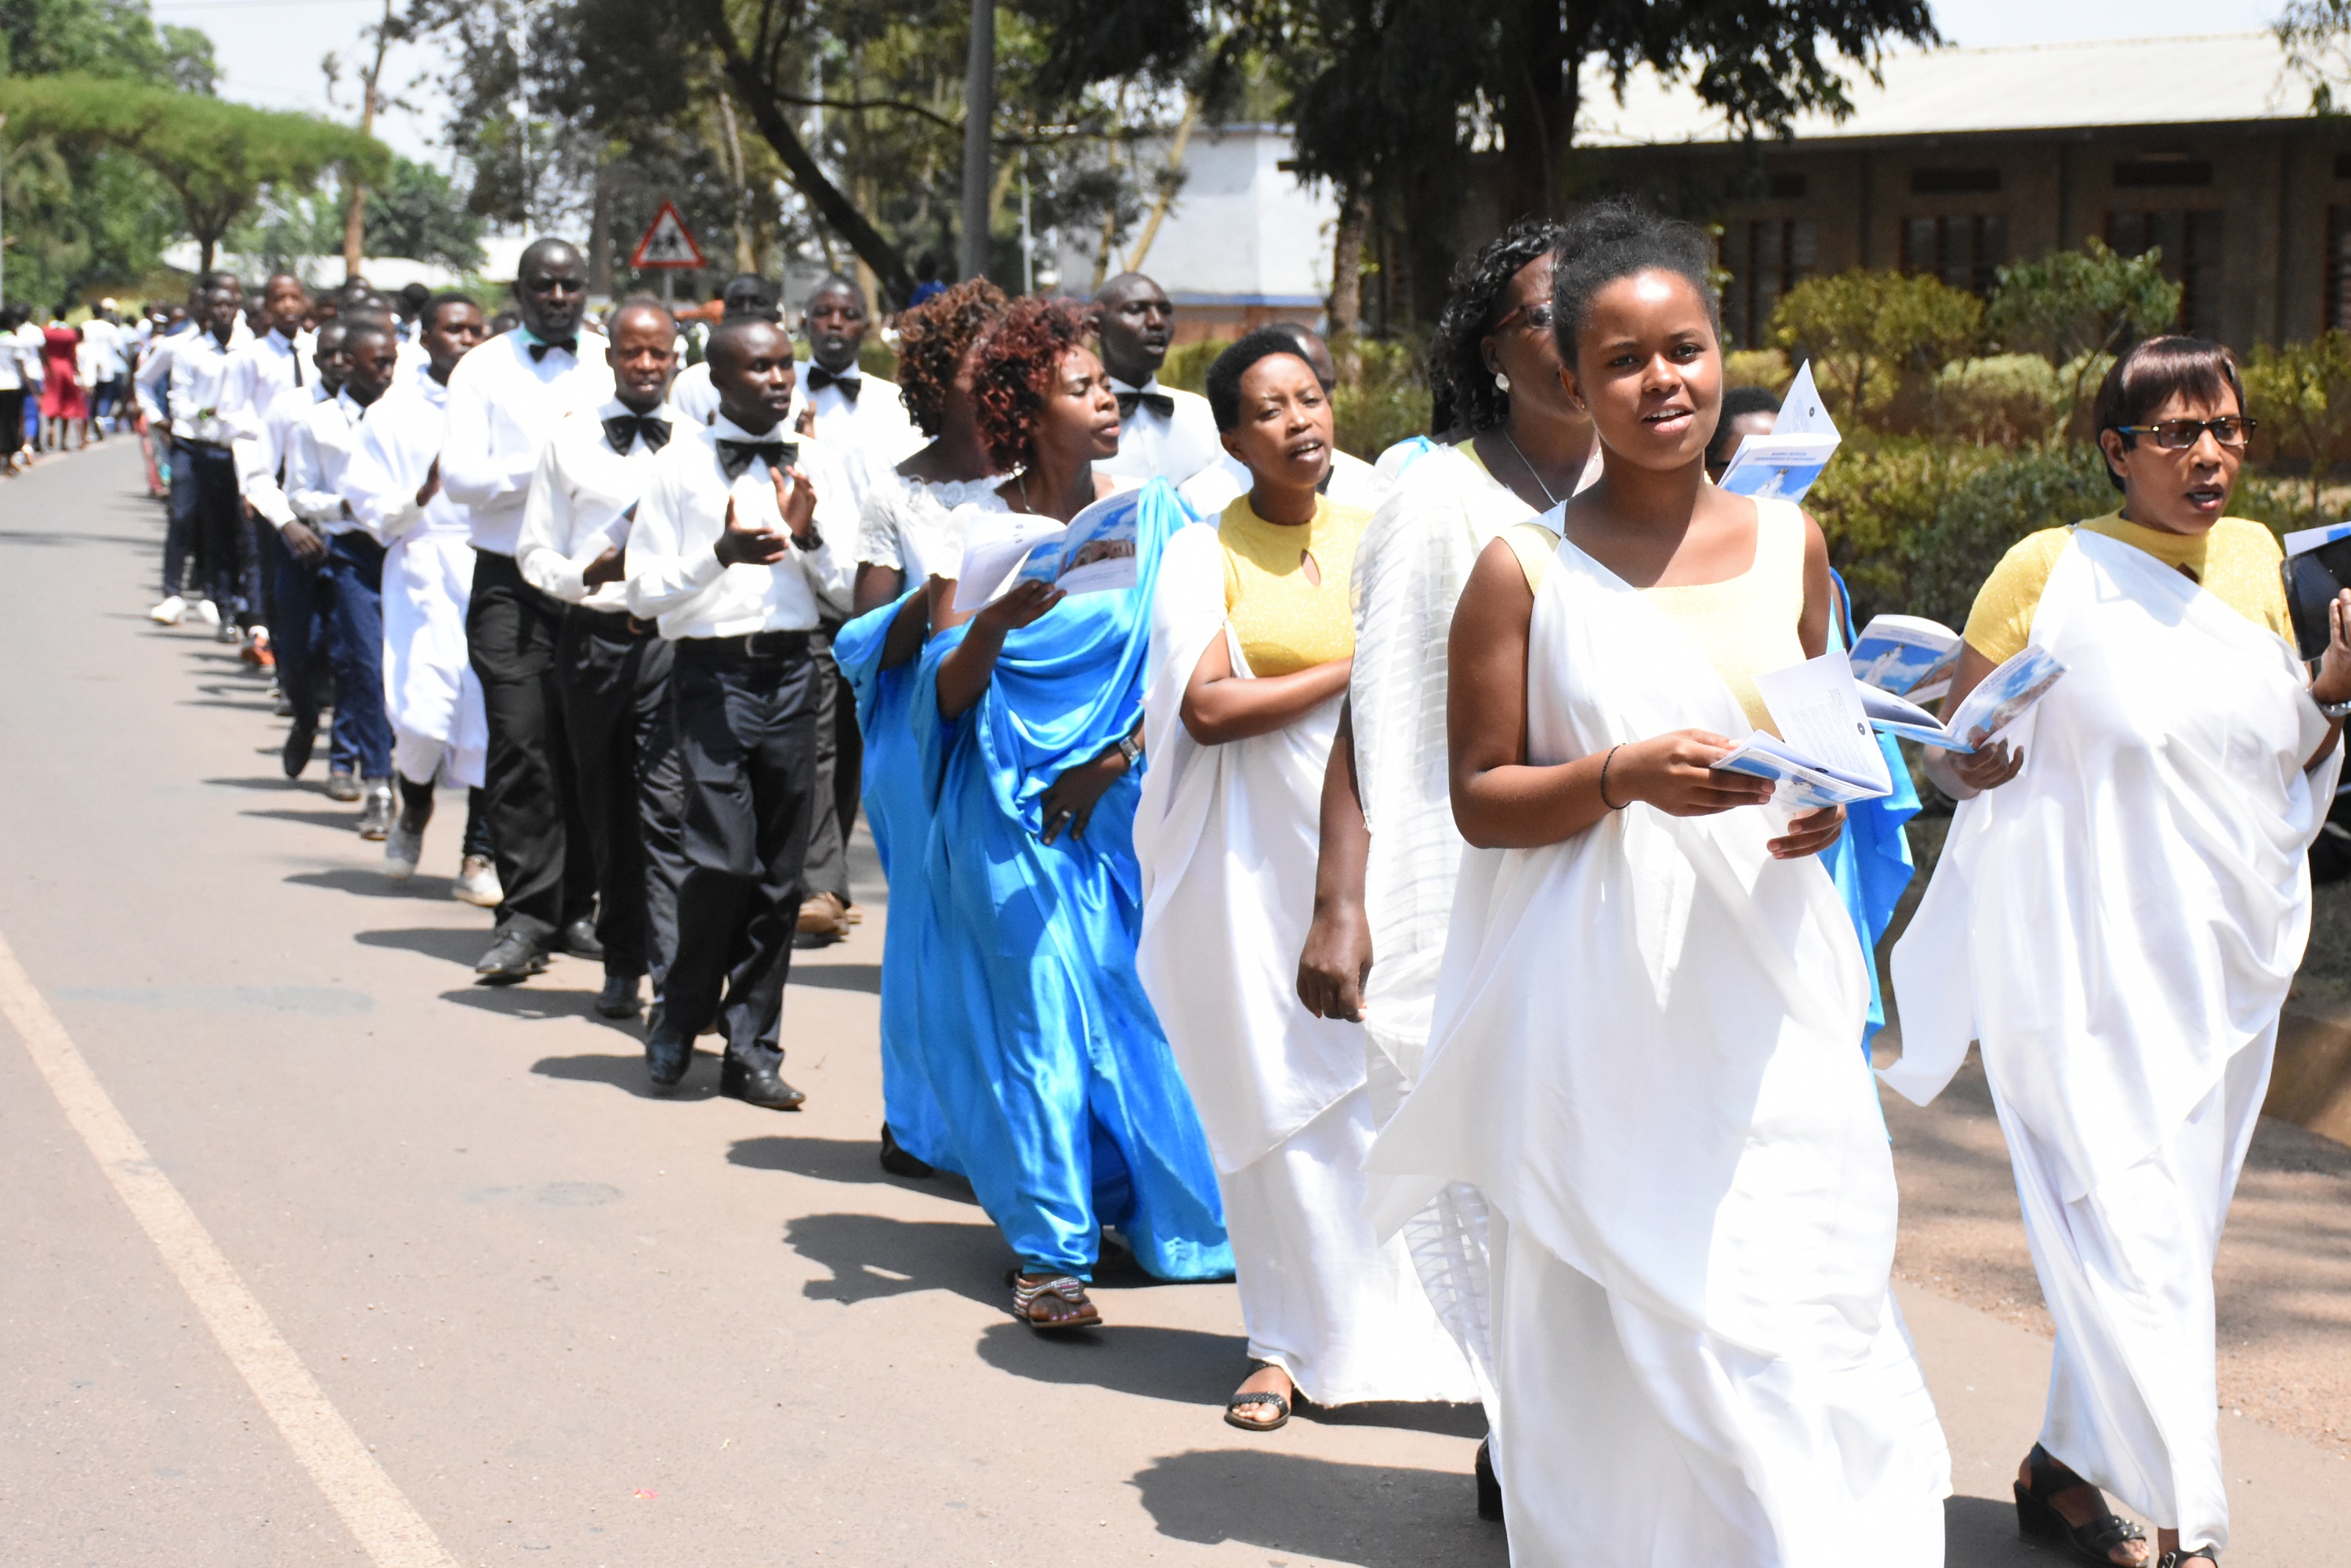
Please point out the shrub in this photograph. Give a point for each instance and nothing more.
(1874, 501)
(1386, 401)
(1868, 332)
(1765, 368)
(2302, 392)
(1986, 511)
(2004, 400)
(1188, 367)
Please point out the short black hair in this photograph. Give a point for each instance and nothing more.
(365, 327)
(1461, 389)
(416, 296)
(1614, 239)
(726, 332)
(1737, 401)
(1225, 375)
(428, 315)
(2154, 371)
(748, 294)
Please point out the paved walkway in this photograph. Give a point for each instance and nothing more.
(472, 1298)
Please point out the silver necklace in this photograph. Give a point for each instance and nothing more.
(1532, 470)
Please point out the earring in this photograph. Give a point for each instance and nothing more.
(1501, 382)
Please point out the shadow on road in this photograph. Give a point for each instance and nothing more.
(626, 1073)
(274, 783)
(455, 943)
(343, 819)
(866, 977)
(537, 1002)
(855, 1160)
(872, 1257)
(369, 882)
(1372, 1516)
(1183, 1367)
(1980, 1532)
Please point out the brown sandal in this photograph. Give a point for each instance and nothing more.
(1028, 1292)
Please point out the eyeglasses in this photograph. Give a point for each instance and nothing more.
(1534, 318)
(2179, 434)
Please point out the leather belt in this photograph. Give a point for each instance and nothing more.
(753, 645)
(613, 624)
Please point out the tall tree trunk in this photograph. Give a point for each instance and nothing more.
(599, 233)
(836, 210)
(745, 259)
(355, 213)
(979, 131)
(1347, 285)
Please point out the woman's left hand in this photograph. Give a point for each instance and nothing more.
(1808, 834)
(1069, 800)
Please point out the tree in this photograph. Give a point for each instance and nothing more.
(217, 157)
(379, 37)
(417, 212)
(1868, 329)
(2303, 390)
(2077, 307)
(2316, 37)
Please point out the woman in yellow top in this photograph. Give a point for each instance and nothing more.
(1252, 636)
(2120, 906)
(1642, 1054)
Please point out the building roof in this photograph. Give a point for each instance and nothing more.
(2218, 79)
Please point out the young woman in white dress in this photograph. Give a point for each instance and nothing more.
(2120, 906)
(1643, 1048)
(1251, 639)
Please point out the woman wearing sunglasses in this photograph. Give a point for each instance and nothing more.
(2120, 906)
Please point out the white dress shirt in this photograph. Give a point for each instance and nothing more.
(582, 501)
(867, 432)
(266, 366)
(20, 364)
(1155, 446)
(673, 568)
(192, 371)
(503, 406)
(261, 457)
(318, 456)
(1353, 483)
(104, 340)
(398, 442)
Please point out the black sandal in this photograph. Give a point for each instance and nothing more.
(2037, 1517)
(1240, 1402)
(2194, 1555)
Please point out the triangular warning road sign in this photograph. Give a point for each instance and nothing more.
(668, 243)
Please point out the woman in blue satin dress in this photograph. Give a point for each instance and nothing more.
(1061, 1101)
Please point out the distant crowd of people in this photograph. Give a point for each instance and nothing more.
(1314, 870)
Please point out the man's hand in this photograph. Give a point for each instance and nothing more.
(744, 544)
(302, 541)
(432, 486)
(795, 498)
(604, 568)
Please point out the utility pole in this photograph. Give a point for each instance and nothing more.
(978, 124)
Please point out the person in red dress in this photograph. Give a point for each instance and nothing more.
(62, 398)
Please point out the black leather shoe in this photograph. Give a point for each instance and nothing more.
(760, 1086)
(619, 998)
(897, 1161)
(579, 939)
(298, 741)
(513, 957)
(666, 1060)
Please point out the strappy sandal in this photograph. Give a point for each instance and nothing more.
(2037, 1517)
(1026, 1293)
(1240, 1402)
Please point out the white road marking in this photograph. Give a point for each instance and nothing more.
(391, 1531)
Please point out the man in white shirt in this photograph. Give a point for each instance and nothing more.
(746, 294)
(613, 670)
(20, 375)
(432, 697)
(506, 399)
(273, 362)
(192, 373)
(734, 552)
(297, 556)
(1162, 432)
(105, 350)
(326, 535)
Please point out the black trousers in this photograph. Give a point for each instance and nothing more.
(613, 677)
(840, 775)
(546, 867)
(747, 731)
(207, 516)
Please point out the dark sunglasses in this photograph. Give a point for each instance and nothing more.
(2179, 434)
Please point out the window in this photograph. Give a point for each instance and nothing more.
(2190, 244)
(1953, 181)
(1767, 258)
(2136, 174)
(1964, 252)
(1787, 187)
(2338, 269)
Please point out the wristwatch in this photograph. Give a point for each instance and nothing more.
(1131, 749)
(2331, 710)
(810, 541)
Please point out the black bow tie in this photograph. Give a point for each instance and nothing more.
(1158, 402)
(540, 352)
(734, 456)
(844, 381)
(622, 429)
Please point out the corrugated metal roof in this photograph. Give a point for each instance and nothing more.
(2216, 78)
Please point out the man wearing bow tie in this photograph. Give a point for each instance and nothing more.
(741, 548)
(506, 400)
(1162, 432)
(613, 670)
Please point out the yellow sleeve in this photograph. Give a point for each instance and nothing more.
(1534, 545)
(2001, 623)
(2254, 580)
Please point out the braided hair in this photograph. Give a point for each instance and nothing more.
(1461, 389)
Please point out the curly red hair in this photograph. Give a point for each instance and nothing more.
(932, 339)
(1014, 361)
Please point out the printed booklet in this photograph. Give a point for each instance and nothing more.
(1093, 554)
(1824, 754)
(1906, 654)
(1783, 464)
(2317, 568)
(1999, 701)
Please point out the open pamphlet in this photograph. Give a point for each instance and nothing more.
(1093, 553)
(1783, 464)
(1906, 654)
(1997, 701)
(2317, 568)
(1824, 754)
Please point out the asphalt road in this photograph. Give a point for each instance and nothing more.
(316, 1253)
